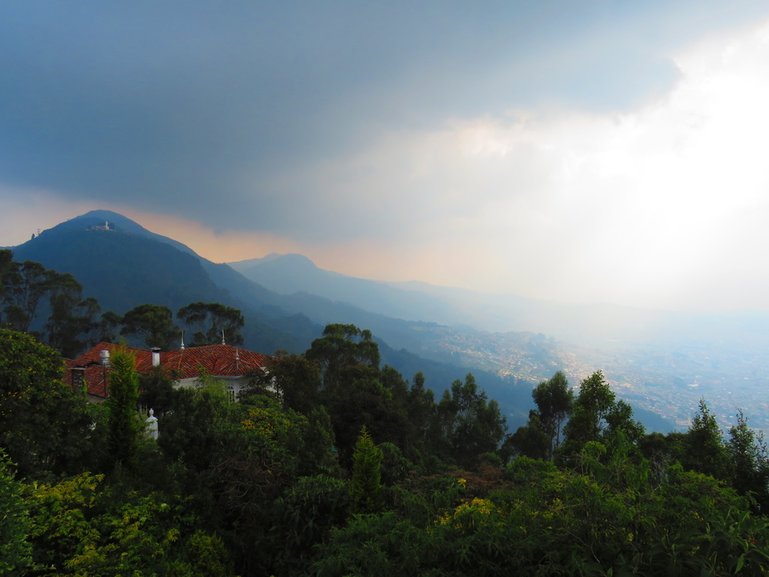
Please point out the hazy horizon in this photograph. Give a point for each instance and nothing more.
(600, 153)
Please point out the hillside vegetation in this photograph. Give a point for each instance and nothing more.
(335, 465)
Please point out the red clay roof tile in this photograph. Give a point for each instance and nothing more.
(216, 360)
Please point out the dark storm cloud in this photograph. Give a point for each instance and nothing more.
(208, 109)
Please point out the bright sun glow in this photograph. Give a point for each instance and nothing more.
(658, 206)
(661, 206)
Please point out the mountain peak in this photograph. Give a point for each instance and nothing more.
(293, 261)
(297, 260)
(101, 218)
(113, 221)
(104, 214)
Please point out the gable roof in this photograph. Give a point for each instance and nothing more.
(217, 360)
(224, 361)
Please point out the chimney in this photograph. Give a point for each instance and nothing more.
(104, 357)
(78, 378)
(155, 356)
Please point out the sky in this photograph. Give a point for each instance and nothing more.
(583, 152)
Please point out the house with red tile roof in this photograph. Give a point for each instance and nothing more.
(232, 365)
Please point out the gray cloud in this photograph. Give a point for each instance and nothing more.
(232, 112)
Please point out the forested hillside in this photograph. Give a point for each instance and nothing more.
(120, 266)
(333, 464)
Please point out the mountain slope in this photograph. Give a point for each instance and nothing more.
(292, 273)
(123, 265)
(598, 325)
(125, 269)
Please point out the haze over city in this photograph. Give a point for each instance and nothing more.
(577, 152)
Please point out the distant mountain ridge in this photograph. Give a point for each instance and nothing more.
(123, 265)
(664, 362)
(418, 301)
(292, 273)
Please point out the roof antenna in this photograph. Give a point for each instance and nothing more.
(182, 347)
(223, 337)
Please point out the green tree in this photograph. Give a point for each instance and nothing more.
(85, 526)
(123, 422)
(307, 512)
(236, 461)
(393, 546)
(530, 440)
(73, 320)
(550, 521)
(7, 281)
(191, 434)
(296, 380)
(318, 455)
(15, 549)
(366, 482)
(471, 424)
(208, 321)
(24, 285)
(421, 416)
(592, 406)
(541, 436)
(6, 262)
(108, 327)
(44, 426)
(341, 349)
(704, 448)
(156, 391)
(396, 427)
(152, 323)
(597, 416)
(61, 515)
(354, 390)
(554, 400)
(749, 461)
(261, 455)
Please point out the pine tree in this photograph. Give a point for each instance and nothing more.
(366, 485)
(124, 423)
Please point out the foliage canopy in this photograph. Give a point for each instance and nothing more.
(347, 468)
